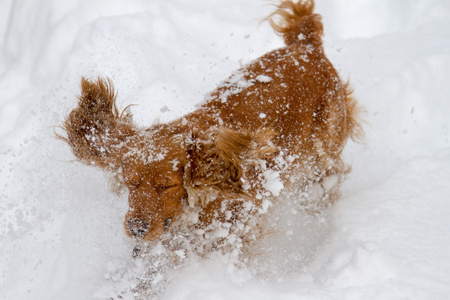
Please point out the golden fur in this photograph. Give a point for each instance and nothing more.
(286, 113)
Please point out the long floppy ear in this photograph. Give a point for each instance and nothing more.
(223, 162)
(95, 129)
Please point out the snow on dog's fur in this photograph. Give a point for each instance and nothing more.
(279, 123)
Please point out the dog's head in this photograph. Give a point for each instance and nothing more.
(167, 166)
(153, 170)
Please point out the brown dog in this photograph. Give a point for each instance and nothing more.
(281, 121)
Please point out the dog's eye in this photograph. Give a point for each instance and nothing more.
(162, 188)
(167, 223)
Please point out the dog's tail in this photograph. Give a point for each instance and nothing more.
(297, 23)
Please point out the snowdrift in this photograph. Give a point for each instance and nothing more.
(61, 233)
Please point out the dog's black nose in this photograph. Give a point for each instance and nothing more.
(138, 227)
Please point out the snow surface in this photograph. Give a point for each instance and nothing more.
(61, 234)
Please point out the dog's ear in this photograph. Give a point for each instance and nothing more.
(222, 161)
(95, 129)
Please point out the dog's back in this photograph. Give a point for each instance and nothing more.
(296, 92)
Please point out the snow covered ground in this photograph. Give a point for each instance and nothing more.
(61, 233)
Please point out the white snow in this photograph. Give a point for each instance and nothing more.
(61, 232)
(272, 182)
(263, 78)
